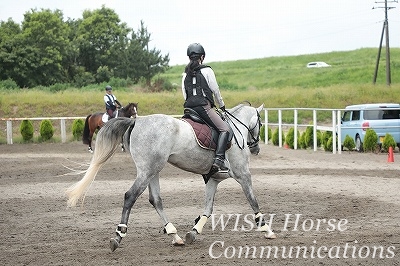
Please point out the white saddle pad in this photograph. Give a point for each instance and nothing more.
(104, 118)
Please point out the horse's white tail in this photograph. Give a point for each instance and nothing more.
(107, 141)
(79, 189)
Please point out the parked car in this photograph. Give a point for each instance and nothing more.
(317, 64)
(381, 117)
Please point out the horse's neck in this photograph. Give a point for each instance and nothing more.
(243, 117)
(122, 112)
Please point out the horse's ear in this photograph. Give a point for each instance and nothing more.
(259, 109)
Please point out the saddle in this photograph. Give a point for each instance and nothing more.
(106, 117)
(206, 135)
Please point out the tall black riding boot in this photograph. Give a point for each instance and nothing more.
(219, 160)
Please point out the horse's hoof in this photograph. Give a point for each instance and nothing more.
(113, 244)
(190, 237)
(178, 242)
(270, 235)
(90, 150)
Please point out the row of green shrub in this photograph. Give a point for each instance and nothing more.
(304, 141)
(371, 139)
(325, 139)
(46, 130)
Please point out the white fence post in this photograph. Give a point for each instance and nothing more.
(295, 129)
(334, 144)
(280, 127)
(9, 132)
(63, 131)
(338, 130)
(266, 127)
(315, 129)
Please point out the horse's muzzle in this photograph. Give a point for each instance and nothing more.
(254, 149)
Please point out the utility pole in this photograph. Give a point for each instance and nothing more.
(385, 29)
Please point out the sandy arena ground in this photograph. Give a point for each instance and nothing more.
(358, 194)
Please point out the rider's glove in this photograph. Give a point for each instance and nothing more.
(223, 108)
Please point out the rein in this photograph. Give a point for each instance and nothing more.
(255, 140)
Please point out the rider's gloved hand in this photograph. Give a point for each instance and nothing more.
(222, 108)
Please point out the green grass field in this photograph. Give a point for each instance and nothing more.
(274, 81)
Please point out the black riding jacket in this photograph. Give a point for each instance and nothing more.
(197, 90)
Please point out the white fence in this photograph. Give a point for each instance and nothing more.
(334, 127)
(63, 129)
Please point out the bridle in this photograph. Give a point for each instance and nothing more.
(254, 139)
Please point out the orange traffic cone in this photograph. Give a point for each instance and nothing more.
(390, 155)
(286, 146)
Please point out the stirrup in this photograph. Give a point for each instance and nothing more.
(219, 165)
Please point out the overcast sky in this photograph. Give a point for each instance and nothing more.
(232, 30)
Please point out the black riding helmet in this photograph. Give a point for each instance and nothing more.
(195, 49)
(108, 88)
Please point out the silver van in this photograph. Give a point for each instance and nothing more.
(381, 117)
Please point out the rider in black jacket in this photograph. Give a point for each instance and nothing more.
(200, 88)
(111, 102)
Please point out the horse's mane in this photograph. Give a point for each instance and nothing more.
(239, 106)
(129, 104)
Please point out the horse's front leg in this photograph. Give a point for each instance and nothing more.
(131, 196)
(210, 191)
(246, 184)
(156, 201)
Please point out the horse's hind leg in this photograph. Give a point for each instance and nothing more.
(156, 201)
(211, 189)
(90, 149)
(90, 137)
(138, 187)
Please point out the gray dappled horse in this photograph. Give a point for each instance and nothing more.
(156, 140)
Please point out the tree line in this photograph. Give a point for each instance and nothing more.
(46, 49)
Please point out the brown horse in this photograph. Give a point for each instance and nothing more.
(94, 122)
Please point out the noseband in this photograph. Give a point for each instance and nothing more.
(255, 140)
